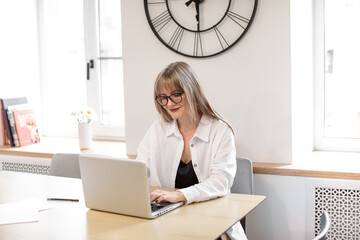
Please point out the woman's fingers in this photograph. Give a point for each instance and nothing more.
(155, 195)
(165, 196)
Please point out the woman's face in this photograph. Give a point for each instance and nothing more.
(177, 111)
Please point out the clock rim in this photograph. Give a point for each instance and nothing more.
(206, 56)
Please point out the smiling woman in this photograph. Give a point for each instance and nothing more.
(190, 148)
(176, 107)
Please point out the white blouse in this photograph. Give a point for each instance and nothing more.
(213, 157)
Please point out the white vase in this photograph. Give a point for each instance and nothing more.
(84, 135)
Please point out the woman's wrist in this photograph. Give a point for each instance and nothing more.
(181, 196)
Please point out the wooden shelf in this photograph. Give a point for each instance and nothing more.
(323, 164)
(319, 164)
(48, 146)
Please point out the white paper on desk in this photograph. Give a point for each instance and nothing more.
(40, 205)
(22, 211)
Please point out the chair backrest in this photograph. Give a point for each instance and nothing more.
(325, 223)
(243, 182)
(65, 165)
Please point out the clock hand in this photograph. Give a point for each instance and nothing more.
(189, 2)
(197, 3)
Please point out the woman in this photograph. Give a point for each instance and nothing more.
(190, 148)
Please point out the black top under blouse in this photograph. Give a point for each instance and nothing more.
(185, 176)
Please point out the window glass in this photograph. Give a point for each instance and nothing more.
(341, 68)
(111, 72)
(112, 92)
(63, 80)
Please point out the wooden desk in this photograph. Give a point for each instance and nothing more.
(72, 220)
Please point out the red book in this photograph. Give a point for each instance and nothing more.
(6, 103)
(2, 126)
(26, 128)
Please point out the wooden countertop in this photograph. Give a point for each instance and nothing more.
(339, 165)
(323, 164)
(48, 146)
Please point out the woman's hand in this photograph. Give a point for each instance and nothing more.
(166, 196)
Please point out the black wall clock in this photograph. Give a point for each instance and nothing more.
(200, 28)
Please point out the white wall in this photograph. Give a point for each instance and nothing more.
(250, 85)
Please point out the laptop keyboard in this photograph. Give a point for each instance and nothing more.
(156, 206)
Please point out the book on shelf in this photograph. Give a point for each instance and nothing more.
(26, 128)
(6, 102)
(11, 118)
(2, 127)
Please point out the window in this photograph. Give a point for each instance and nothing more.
(62, 65)
(19, 52)
(66, 48)
(337, 51)
(105, 90)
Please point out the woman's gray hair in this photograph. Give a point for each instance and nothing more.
(180, 77)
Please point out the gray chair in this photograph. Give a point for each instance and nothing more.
(65, 165)
(243, 182)
(325, 223)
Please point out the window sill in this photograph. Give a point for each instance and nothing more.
(322, 164)
(48, 146)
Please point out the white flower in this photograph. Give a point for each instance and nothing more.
(84, 116)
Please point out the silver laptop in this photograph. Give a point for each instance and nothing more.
(119, 186)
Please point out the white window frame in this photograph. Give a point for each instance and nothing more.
(320, 142)
(93, 85)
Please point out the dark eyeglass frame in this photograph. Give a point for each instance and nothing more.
(169, 97)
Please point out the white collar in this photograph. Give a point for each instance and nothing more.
(202, 131)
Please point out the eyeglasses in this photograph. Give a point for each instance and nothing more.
(175, 98)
